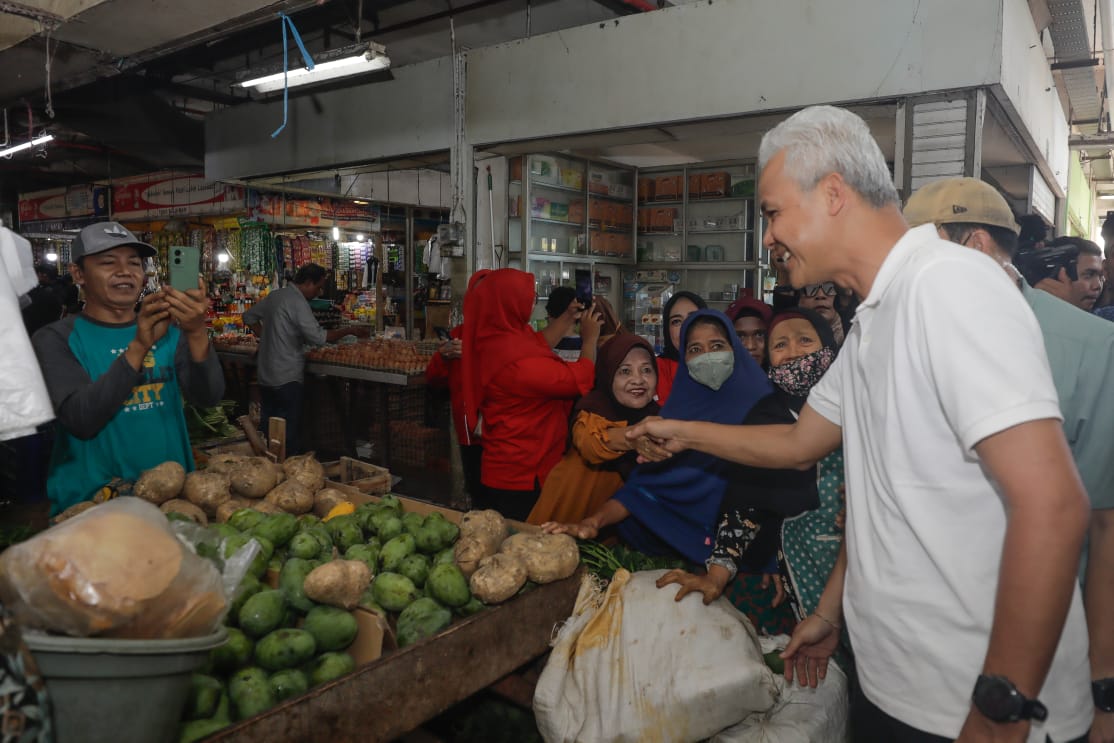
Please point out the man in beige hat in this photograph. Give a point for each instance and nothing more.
(1080, 350)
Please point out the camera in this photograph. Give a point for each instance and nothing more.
(1037, 261)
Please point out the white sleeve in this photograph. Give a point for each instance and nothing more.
(826, 396)
(983, 348)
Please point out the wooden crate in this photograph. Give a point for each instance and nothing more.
(363, 476)
(399, 691)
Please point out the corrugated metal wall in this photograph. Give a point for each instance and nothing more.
(939, 141)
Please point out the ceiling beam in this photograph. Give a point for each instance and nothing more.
(1091, 141)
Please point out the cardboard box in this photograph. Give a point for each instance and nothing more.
(598, 182)
(695, 185)
(667, 187)
(572, 177)
(715, 185)
(544, 169)
(516, 168)
(644, 218)
(597, 212)
(661, 219)
(576, 211)
(645, 189)
(620, 190)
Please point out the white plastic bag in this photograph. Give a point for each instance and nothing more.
(801, 715)
(632, 664)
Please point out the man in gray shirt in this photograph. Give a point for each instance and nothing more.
(286, 325)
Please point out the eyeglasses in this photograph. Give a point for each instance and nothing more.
(828, 287)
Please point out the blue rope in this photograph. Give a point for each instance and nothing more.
(285, 21)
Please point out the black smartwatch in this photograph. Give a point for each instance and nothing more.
(1000, 701)
(1103, 693)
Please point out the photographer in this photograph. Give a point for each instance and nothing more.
(1068, 267)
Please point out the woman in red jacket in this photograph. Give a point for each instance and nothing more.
(680, 306)
(517, 391)
(444, 371)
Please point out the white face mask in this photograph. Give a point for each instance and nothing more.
(712, 369)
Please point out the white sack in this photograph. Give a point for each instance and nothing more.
(634, 665)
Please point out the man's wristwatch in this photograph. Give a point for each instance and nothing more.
(1102, 691)
(1000, 701)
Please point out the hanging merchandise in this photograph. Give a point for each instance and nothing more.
(257, 256)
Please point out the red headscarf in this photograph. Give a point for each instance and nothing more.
(496, 332)
(755, 306)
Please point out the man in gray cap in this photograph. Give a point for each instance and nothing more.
(116, 376)
(1080, 349)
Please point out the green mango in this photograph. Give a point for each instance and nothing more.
(395, 550)
(324, 539)
(364, 514)
(415, 567)
(365, 553)
(250, 692)
(233, 654)
(224, 707)
(348, 535)
(390, 527)
(246, 519)
(444, 557)
(329, 666)
(428, 539)
(233, 544)
(474, 606)
(449, 531)
(279, 528)
(390, 500)
(262, 613)
(288, 683)
(448, 585)
(304, 545)
(375, 517)
(285, 648)
(249, 586)
(332, 628)
(203, 698)
(774, 661)
(262, 558)
(421, 619)
(307, 520)
(196, 730)
(292, 580)
(412, 521)
(367, 601)
(393, 592)
(224, 530)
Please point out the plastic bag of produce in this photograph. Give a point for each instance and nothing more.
(632, 664)
(801, 714)
(116, 570)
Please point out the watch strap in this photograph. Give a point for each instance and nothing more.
(1032, 709)
(1102, 691)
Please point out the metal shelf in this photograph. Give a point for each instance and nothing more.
(706, 265)
(719, 232)
(562, 222)
(609, 197)
(535, 185)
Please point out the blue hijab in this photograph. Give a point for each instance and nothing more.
(675, 504)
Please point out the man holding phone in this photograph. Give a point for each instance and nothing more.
(117, 376)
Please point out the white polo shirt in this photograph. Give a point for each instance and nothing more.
(943, 353)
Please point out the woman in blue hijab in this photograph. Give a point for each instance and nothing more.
(673, 506)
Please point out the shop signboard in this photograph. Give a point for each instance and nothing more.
(161, 195)
(61, 203)
(309, 211)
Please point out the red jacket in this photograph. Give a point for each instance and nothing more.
(442, 372)
(525, 416)
(667, 372)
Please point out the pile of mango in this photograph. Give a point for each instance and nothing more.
(281, 643)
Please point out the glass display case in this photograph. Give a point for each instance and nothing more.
(566, 214)
(646, 292)
(700, 225)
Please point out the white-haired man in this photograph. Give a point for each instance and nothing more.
(965, 512)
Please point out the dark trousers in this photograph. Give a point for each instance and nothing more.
(871, 725)
(514, 504)
(284, 401)
(470, 458)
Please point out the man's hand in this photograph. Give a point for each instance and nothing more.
(979, 729)
(1058, 287)
(663, 432)
(708, 585)
(1102, 729)
(153, 320)
(583, 530)
(452, 349)
(188, 309)
(809, 650)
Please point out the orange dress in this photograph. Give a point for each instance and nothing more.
(580, 483)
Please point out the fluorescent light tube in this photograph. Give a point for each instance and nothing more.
(322, 71)
(27, 145)
(336, 233)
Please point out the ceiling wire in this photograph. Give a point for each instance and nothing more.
(49, 62)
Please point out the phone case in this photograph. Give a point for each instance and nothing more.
(185, 265)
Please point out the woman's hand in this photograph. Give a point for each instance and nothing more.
(586, 529)
(708, 585)
(590, 323)
(779, 587)
(451, 349)
(661, 433)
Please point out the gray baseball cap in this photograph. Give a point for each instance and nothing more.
(102, 236)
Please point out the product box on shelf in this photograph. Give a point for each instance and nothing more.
(544, 169)
(667, 187)
(598, 182)
(744, 188)
(696, 184)
(645, 189)
(620, 190)
(514, 206)
(597, 211)
(516, 168)
(626, 215)
(558, 211)
(715, 185)
(644, 219)
(572, 177)
(661, 219)
(576, 211)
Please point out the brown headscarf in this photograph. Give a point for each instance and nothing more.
(600, 400)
